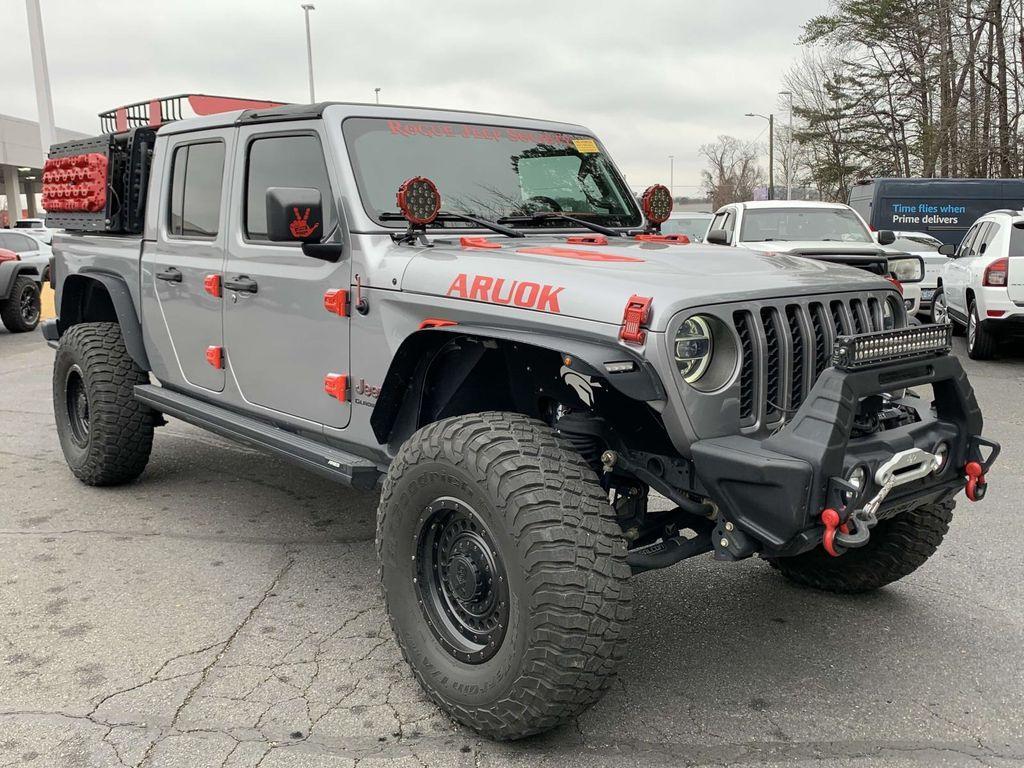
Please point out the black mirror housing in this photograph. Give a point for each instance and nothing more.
(717, 237)
(947, 250)
(886, 237)
(294, 215)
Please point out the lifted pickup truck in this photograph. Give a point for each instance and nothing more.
(473, 312)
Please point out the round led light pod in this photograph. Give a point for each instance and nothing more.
(656, 203)
(418, 200)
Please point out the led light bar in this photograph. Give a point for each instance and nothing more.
(869, 349)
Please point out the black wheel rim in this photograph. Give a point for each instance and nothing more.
(460, 581)
(77, 406)
(29, 306)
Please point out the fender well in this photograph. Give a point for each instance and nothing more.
(444, 372)
(97, 297)
(11, 271)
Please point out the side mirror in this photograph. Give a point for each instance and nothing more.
(294, 215)
(717, 237)
(947, 250)
(886, 237)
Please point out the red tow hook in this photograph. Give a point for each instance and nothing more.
(976, 484)
(830, 519)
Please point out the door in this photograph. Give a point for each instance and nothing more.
(281, 341)
(958, 272)
(181, 309)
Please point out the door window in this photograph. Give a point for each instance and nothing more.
(729, 225)
(986, 238)
(197, 177)
(968, 241)
(284, 161)
(18, 243)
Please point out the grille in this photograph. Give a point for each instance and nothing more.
(785, 347)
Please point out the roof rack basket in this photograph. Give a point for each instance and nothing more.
(156, 112)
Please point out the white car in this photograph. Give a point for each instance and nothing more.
(827, 231)
(30, 249)
(927, 247)
(35, 227)
(693, 224)
(982, 284)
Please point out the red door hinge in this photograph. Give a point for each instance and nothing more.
(211, 284)
(215, 356)
(336, 385)
(635, 315)
(336, 302)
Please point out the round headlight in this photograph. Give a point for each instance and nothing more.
(694, 348)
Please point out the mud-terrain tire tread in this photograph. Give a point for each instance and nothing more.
(120, 428)
(561, 521)
(898, 547)
(10, 310)
(985, 342)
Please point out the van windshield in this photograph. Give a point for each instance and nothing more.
(488, 171)
(803, 224)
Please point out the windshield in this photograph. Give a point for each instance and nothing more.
(488, 171)
(803, 224)
(694, 227)
(915, 243)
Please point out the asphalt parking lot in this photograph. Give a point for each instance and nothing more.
(223, 611)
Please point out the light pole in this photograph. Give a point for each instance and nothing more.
(790, 160)
(307, 7)
(672, 175)
(771, 151)
(376, 95)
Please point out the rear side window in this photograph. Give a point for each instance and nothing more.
(284, 161)
(1017, 239)
(197, 176)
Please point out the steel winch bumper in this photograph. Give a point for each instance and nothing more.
(772, 492)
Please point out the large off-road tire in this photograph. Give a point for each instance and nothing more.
(20, 312)
(105, 433)
(504, 573)
(981, 342)
(898, 547)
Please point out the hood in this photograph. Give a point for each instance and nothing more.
(861, 255)
(558, 276)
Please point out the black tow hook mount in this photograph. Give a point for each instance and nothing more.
(730, 542)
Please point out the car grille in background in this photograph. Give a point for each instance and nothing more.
(785, 347)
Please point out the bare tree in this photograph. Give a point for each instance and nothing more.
(732, 172)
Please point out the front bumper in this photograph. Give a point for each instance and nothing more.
(774, 490)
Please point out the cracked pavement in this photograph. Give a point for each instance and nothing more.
(223, 611)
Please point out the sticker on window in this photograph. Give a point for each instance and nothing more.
(585, 146)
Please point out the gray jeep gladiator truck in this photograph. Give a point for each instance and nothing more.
(473, 313)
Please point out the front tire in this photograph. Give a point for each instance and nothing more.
(981, 342)
(105, 433)
(898, 546)
(504, 573)
(20, 313)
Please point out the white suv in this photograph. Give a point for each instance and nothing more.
(982, 284)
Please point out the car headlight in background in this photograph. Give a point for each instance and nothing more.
(907, 269)
(694, 348)
(706, 352)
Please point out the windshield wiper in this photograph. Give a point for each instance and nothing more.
(534, 218)
(451, 216)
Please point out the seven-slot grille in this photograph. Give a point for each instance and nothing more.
(784, 348)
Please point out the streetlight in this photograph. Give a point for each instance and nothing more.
(376, 95)
(672, 175)
(789, 157)
(307, 7)
(771, 151)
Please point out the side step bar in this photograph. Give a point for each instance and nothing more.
(330, 462)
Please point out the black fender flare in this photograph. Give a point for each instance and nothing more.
(585, 357)
(11, 271)
(116, 288)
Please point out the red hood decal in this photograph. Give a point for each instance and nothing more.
(579, 255)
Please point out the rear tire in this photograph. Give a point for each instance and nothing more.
(898, 547)
(981, 342)
(105, 433)
(20, 313)
(499, 502)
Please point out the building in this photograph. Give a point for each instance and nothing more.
(21, 167)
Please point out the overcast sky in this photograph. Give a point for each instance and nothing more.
(652, 78)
